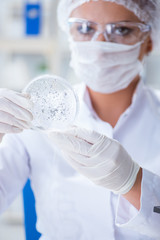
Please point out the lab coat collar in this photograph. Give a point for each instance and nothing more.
(87, 117)
(95, 123)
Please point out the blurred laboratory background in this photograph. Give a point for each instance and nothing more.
(31, 44)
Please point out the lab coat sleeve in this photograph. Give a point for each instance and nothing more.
(14, 171)
(145, 221)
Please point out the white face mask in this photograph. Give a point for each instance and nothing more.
(105, 67)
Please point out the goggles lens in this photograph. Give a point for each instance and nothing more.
(120, 32)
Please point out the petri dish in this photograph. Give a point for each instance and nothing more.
(55, 104)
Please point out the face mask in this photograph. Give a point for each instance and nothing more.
(105, 67)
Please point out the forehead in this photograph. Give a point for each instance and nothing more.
(104, 12)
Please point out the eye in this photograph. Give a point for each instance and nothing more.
(85, 29)
(123, 31)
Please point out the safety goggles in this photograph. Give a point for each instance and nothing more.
(119, 32)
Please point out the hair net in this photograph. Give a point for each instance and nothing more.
(146, 10)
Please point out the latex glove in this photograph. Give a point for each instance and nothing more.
(104, 161)
(14, 112)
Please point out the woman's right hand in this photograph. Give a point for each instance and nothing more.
(15, 115)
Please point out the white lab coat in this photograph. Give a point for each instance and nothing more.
(69, 206)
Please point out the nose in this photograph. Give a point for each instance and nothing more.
(101, 37)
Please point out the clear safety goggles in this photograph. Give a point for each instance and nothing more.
(120, 32)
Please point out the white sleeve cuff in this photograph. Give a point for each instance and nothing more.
(144, 221)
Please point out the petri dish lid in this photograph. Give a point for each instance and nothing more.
(55, 104)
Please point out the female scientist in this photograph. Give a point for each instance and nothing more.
(109, 41)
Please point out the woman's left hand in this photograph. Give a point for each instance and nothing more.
(101, 159)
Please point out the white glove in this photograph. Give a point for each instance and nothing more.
(104, 161)
(14, 112)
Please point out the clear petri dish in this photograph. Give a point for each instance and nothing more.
(55, 104)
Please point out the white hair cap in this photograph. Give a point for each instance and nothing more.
(147, 11)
